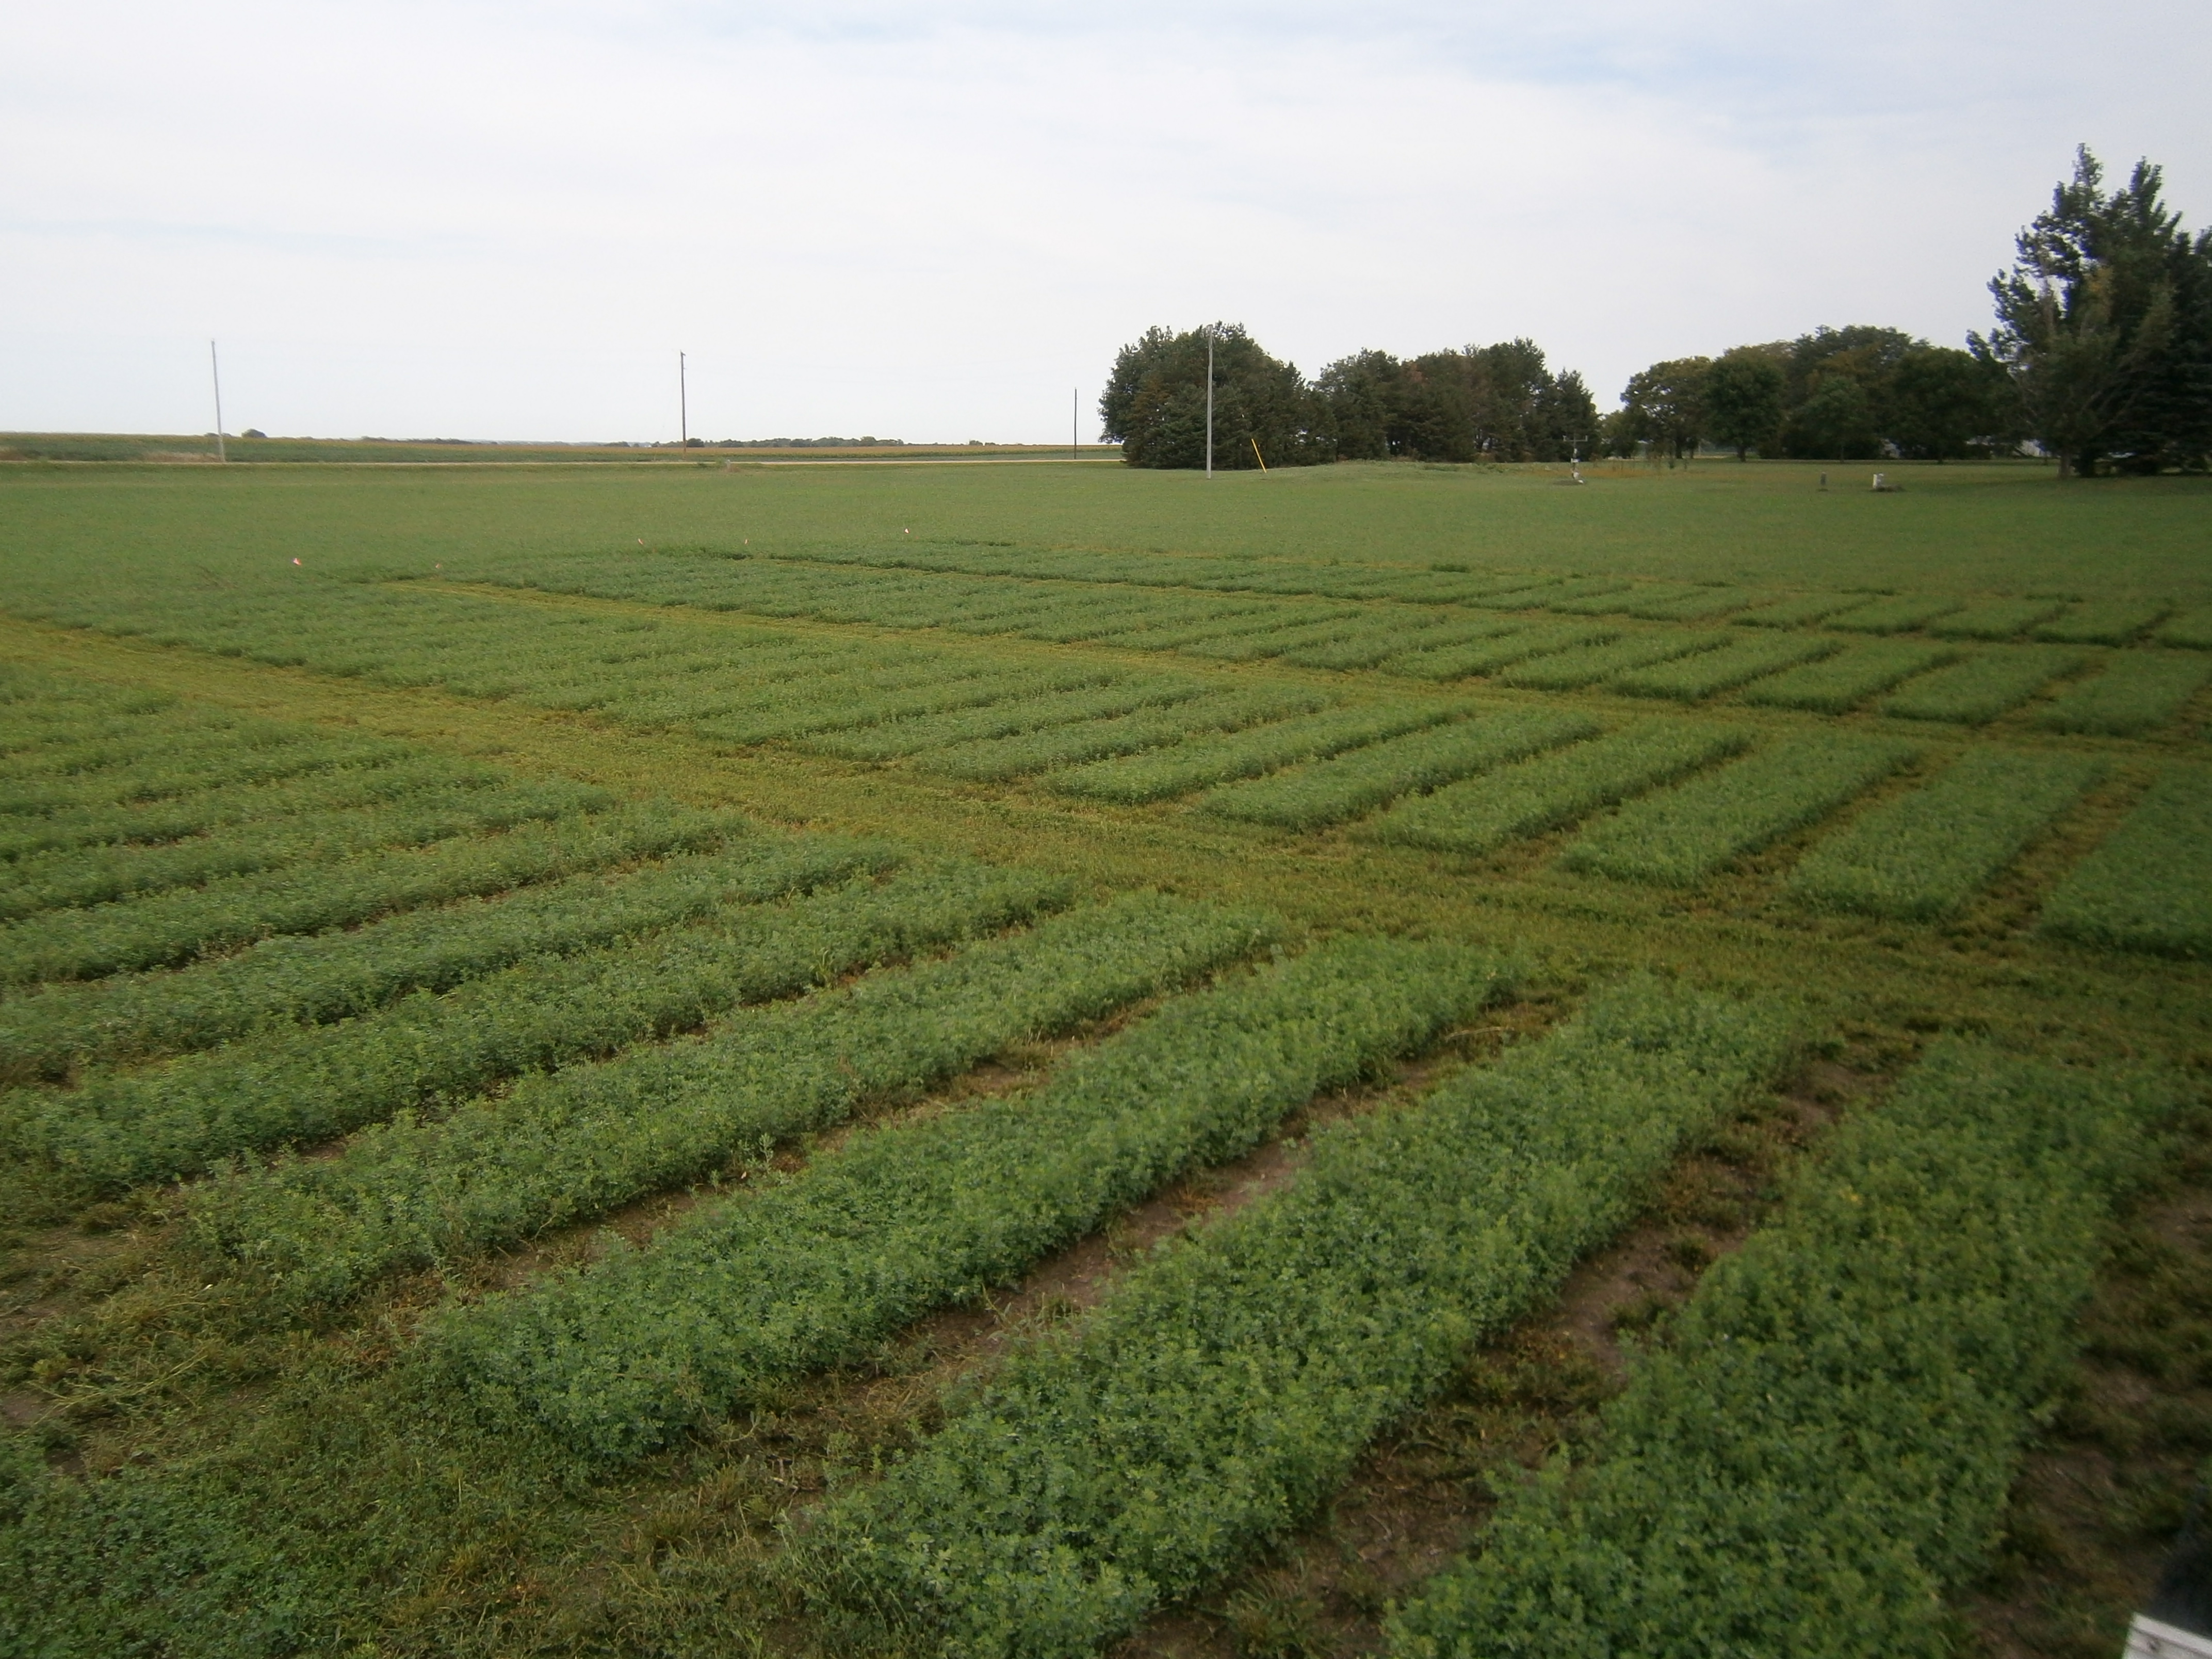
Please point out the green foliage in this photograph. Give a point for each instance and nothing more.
(2149, 886)
(1722, 668)
(79, 877)
(872, 1236)
(1984, 686)
(1743, 399)
(1352, 786)
(1200, 760)
(1567, 670)
(2138, 692)
(1154, 404)
(572, 1144)
(1367, 643)
(301, 1085)
(1824, 1446)
(1923, 856)
(2104, 326)
(1848, 678)
(1497, 403)
(1691, 831)
(2100, 622)
(1994, 619)
(1534, 796)
(1897, 613)
(1797, 610)
(1230, 1382)
(174, 927)
(912, 734)
(996, 759)
(1664, 406)
(322, 977)
(1488, 655)
(2192, 630)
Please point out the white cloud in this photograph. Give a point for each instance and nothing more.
(503, 220)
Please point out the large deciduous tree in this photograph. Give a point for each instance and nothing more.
(1495, 402)
(1743, 399)
(2103, 326)
(1154, 404)
(1665, 406)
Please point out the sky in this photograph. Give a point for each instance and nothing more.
(939, 222)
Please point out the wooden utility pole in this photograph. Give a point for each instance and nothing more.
(682, 404)
(1209, 400)
(214, 371)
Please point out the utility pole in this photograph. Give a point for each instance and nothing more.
(1074, 422)
(1209, 400)
(214, 371)
(683, 403)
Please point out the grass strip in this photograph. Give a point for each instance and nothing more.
(1978, 689)
(174, 927)
(230, 760)
(2191, 629)
(2139, 691)
(1696, 604)
(1543, 794)
(1371, 644)
(562, 1147)
(1569, 670)
(153, 821)
(1231, 1381)
(319, 978)
(1193, 765)
(1352, 786)
(2149, 886)
(1680, 837)
(1897, 613)
(1995, 619)
(995, 760)
(306, 1084)
(895, 738)
(2100, 622)
(1797, 610)
(1486, 656)
(805, 709)
(1723, 668)
(1257, 642)
(814, 1273)
(1825, 1444)
(1923, 856)
(1843, 682)
(80, 877)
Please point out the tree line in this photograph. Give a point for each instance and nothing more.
(2100, 353)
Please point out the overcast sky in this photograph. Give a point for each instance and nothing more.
(934, 221)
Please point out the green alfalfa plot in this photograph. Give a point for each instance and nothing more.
(2149, 886)
(2139, 691)
(1920, 858)
(1707, 674)
(1348, 786)
(1484, 813)
(1842, 682)
(1679, 838)
(1569, 671)
(1978, 689)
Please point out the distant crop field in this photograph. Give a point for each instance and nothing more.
(1044, 1058)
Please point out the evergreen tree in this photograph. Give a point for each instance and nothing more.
(2103, 326)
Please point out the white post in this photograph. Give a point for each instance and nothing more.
(214, 371)
(1209, 400)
